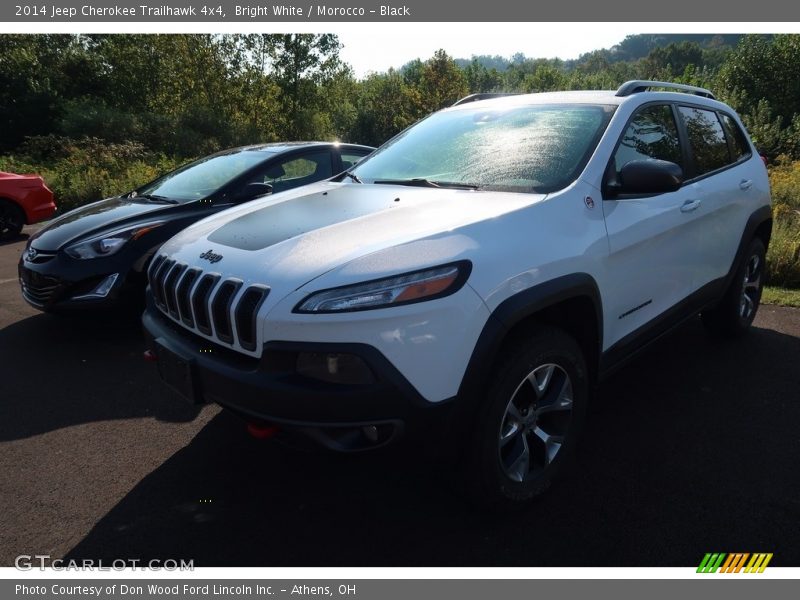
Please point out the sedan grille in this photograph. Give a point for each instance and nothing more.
(38, 289)
(206, 303)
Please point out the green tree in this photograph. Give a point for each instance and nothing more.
(386, 104)
(38, 74)
(442, 82)
(301, 64)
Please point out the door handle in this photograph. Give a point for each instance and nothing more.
(690, 205)
(745, 184)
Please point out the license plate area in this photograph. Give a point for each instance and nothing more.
(178, 373)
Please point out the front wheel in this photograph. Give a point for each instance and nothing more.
(735, 313)
(527, 428)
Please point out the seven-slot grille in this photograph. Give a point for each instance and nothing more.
(204, 302)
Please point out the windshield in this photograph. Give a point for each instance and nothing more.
(202, 178)
(539, 148)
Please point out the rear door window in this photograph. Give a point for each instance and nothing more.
(739, 145)
(706, 139)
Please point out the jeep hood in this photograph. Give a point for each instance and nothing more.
(297, 236)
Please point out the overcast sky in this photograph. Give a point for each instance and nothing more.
(376, 49)
(379, 46)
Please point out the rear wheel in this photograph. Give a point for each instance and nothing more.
(735, 313)
(12, 220)
(527, 428)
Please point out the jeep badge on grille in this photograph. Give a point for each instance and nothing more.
(211, 257)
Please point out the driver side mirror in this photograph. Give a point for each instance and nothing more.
(251, 191)
(648, 177)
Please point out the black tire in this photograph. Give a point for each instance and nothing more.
(733, 316)
(12, 220)
(494, 475)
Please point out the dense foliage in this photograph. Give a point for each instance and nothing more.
(97, 114)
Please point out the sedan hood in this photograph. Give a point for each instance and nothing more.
(94, 218)
(296, 236)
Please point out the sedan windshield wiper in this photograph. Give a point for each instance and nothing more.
(421, 182)
(154, 198)
(353, 176)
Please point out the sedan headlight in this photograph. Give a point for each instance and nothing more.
(391, 291)
(108, 243)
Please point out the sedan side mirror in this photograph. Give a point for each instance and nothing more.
(251, 191)
(649, 176)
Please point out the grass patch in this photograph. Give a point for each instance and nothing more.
(781, 296)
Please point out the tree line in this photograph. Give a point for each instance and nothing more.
(188, 95)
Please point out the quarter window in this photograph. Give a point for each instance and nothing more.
(741, 148)
(652, 133)
(706, 139)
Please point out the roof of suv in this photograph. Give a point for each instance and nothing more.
(276, 147)
(638, 90)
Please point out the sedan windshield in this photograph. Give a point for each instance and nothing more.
(202, 178)
(534, 148)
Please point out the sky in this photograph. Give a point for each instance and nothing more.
(375, 47)
(369, 49)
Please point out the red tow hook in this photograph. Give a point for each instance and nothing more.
(261, 432)
(150, 356)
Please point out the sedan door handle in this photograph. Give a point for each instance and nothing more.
(690, 205)
(745, 184)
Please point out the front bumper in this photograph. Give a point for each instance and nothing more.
(57, 283)
(268, 390)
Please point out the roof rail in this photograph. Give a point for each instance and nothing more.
(638, 85)
(483, 96)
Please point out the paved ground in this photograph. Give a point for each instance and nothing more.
(694, 447)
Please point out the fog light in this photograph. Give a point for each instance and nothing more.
(370, 432)
(102, 289)
(105, 286)
(334, 368)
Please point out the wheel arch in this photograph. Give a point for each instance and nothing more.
(759, 225)
(571, 303)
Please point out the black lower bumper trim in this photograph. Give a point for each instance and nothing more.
(268, 390)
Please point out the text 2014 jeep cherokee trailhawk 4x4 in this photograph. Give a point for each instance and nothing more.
(488, 264)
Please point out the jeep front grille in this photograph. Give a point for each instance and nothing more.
(206, 303)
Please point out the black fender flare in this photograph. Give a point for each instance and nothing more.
(759, 217)
(517, 308)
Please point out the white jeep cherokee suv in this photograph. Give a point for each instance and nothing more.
(474, 277)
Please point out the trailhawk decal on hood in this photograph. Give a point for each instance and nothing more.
(277, 223)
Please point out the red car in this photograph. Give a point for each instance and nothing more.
(24, 199)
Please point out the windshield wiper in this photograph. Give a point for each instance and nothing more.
(421, 182)
(353, 176)
(154, 198)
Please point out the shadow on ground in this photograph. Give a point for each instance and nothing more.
(22, 237)
(61, 371)
(690, 449)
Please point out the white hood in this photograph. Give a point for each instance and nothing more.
(289, 239)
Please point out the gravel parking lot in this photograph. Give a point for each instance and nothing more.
(692, 448)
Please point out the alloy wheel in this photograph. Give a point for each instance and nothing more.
(535, 422)
(751, 289)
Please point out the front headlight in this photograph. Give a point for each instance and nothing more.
(108, 243)
(391, 291)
